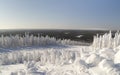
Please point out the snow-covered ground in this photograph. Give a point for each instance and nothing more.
(69, 60)
(100, 58)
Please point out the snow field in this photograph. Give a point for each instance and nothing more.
(101, 58)
(63, 61)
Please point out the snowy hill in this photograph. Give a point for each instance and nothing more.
(63, 57)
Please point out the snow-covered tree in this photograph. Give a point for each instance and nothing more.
(30, 40)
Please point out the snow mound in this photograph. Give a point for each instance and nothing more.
(93, 60)
(107, 53)
(117, 57)
(106, 64)
(81, 65)
(113, 71)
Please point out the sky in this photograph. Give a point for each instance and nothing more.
(60, 14)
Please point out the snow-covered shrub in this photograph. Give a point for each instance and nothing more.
(43, 56)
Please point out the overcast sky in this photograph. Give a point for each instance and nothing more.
(59, 14)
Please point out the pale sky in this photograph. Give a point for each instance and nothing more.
(60, 14)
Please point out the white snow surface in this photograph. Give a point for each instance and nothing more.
(38, 57)
(54, 60)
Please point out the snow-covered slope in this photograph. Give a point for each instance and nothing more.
(100, 58)
(70, 60)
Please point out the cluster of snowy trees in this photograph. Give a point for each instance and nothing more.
(42, 56)
(106, 40)
(31, 40)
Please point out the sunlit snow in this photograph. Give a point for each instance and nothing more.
(32, 55)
